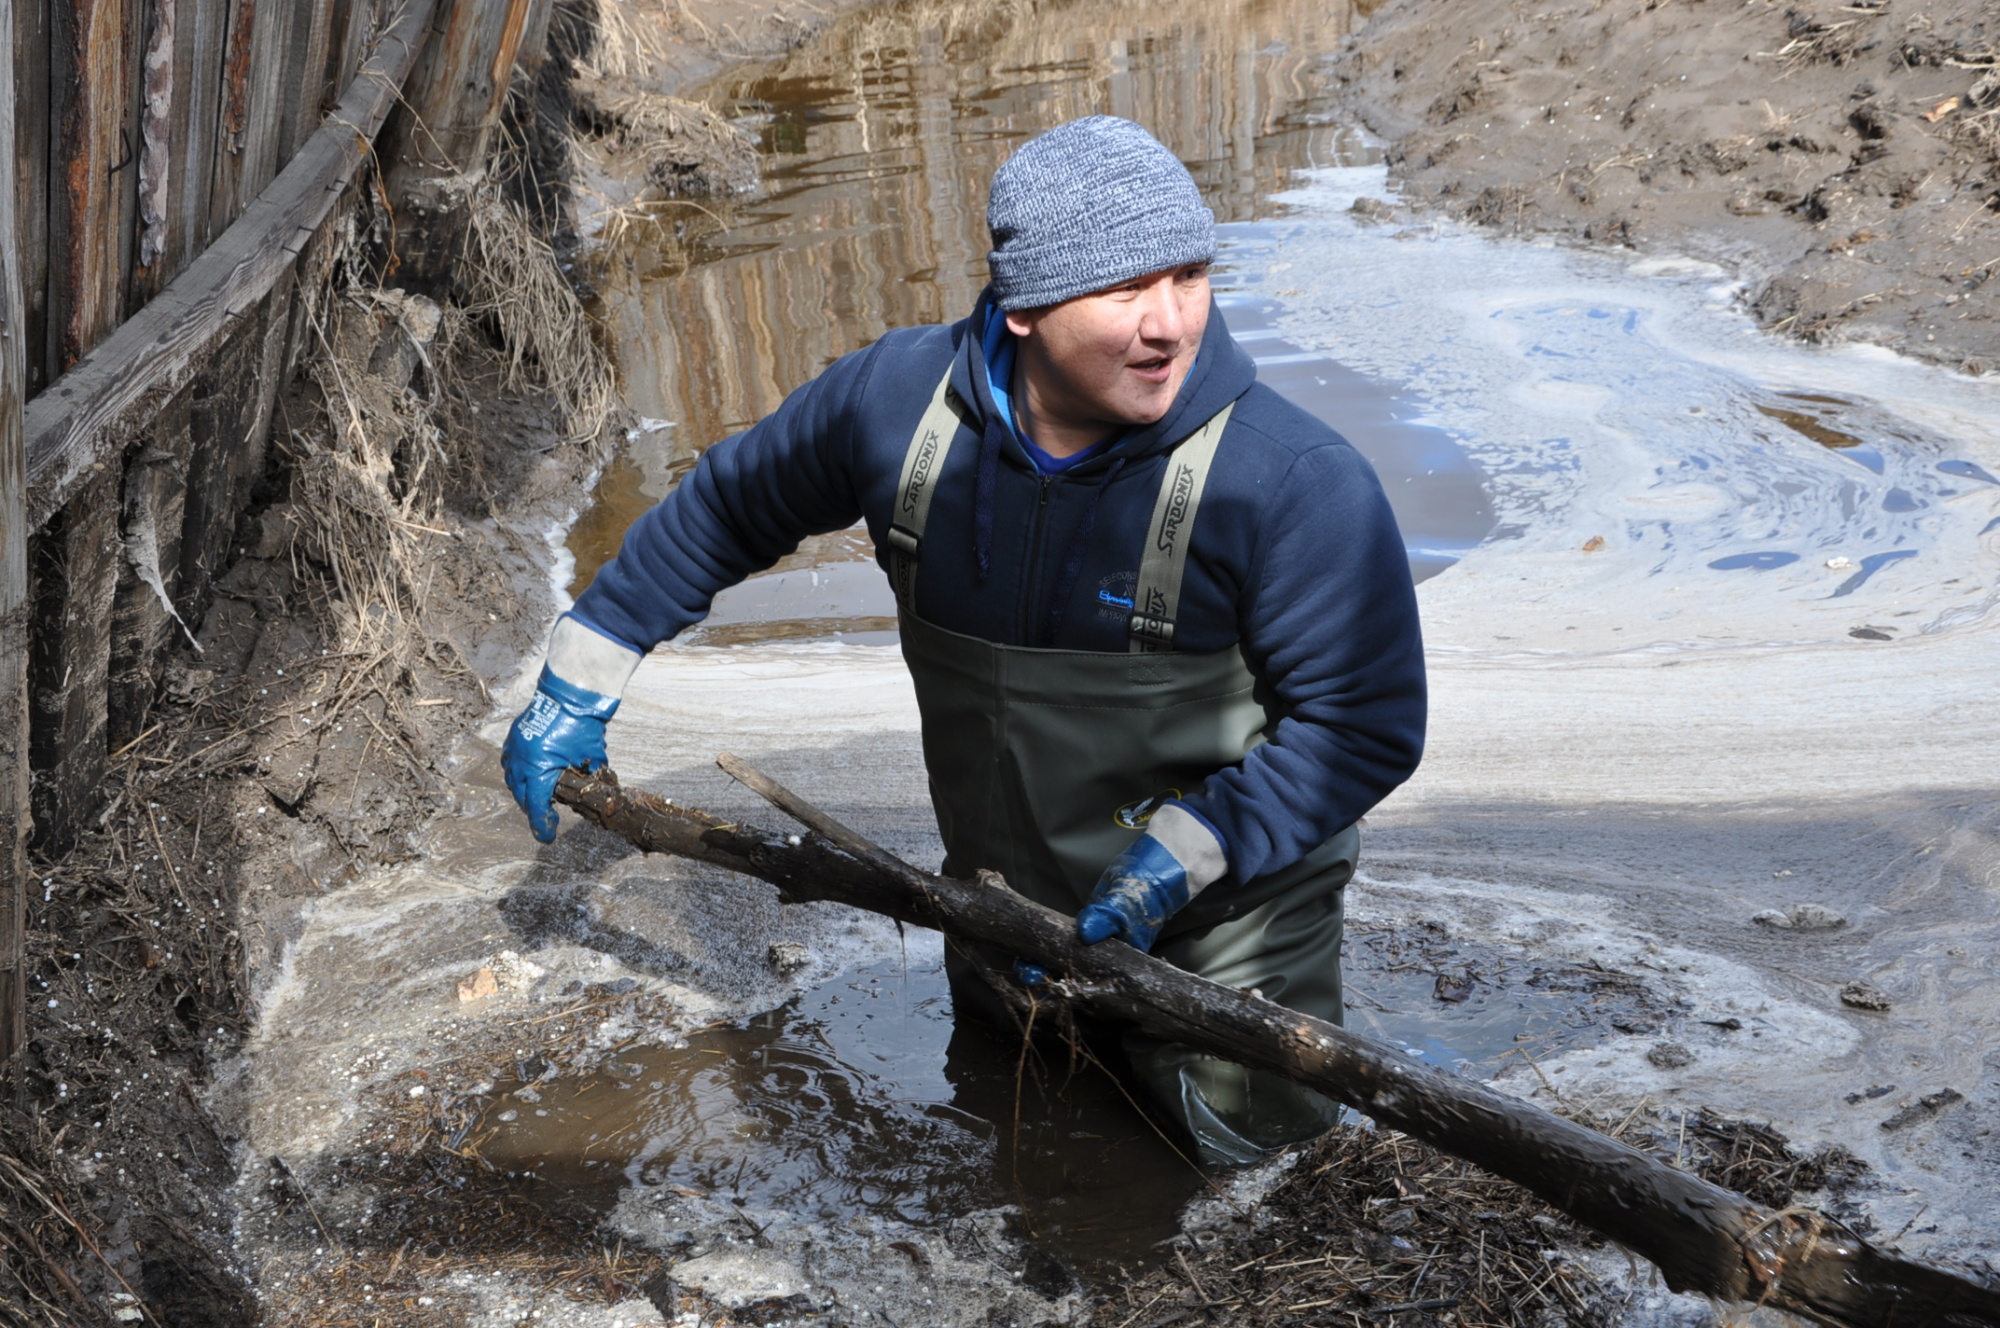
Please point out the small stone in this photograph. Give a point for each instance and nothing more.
(479, 986)
(514, 973)
(738, 1277)
(1453, 986)
(787, 957)
(1862, 996)
(1816, 917)
(1870, 1094)
(1593, 544)
(1670, 1056)
(1800, 917)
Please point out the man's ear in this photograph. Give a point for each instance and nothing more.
(1021, 322)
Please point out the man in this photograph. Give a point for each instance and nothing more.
(1160, 621)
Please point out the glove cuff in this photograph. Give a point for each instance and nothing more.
(588, 660)
(1193, 842)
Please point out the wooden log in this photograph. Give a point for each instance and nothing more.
(107, 397)
(75, 569)
(92, 153)
(437, 141)
(14, 782)
(1702, 1238)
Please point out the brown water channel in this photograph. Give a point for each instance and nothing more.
(879, 137)
(878, 141)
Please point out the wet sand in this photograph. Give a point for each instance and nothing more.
(1833, 154)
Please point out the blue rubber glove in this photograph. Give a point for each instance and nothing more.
(564, 725)
(1179, 855)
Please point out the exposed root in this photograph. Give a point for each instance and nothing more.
(510, 278)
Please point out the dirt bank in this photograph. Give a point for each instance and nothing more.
(1845, 159)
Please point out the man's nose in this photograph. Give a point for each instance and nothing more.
(1161, 317)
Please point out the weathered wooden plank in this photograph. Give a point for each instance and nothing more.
(14, 805)
(75, 570)
(162, 136)
(29, 47)
(200, 31)
(442, 129)
(91, 152)
(270, 61)
(226, 192)
(304, 86)
(222, 417)
(352, 20)
(107, 396)
(145, 617)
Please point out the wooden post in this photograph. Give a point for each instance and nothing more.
(92, 152)
(28, 50)
(437, 140)
(14, 815)
(74, 561)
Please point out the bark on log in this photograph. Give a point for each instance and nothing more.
(1703, 1238)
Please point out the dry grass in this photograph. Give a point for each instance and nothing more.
(511, 279)
(683, 149)
(1372, 1223)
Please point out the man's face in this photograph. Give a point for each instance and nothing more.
(1117, 356)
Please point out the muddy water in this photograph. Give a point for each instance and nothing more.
(859, 1096)
(1669, 486)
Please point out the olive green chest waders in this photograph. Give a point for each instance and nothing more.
(1044, 765)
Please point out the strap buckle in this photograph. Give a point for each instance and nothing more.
(1153, 633)
(904, 541)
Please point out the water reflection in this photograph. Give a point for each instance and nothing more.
(880, 139)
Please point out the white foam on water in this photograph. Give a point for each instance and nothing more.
(1622, 400)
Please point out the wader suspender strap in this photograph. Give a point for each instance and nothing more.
(921, 464)
(1157, 597)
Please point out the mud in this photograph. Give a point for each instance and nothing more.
(1845, 159)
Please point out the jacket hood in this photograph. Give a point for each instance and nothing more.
(1223, 371)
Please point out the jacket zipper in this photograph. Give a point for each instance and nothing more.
(1031, 587)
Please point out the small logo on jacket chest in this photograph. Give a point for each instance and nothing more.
(1114, 596)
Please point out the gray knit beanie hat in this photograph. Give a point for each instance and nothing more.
(1087, 205)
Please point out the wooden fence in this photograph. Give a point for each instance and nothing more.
(175, 164)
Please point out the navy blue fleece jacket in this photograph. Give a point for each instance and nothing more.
(1295, 554)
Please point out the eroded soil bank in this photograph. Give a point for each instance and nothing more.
(1844, 158)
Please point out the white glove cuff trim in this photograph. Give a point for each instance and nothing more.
(589, 659)
(1193, 845)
